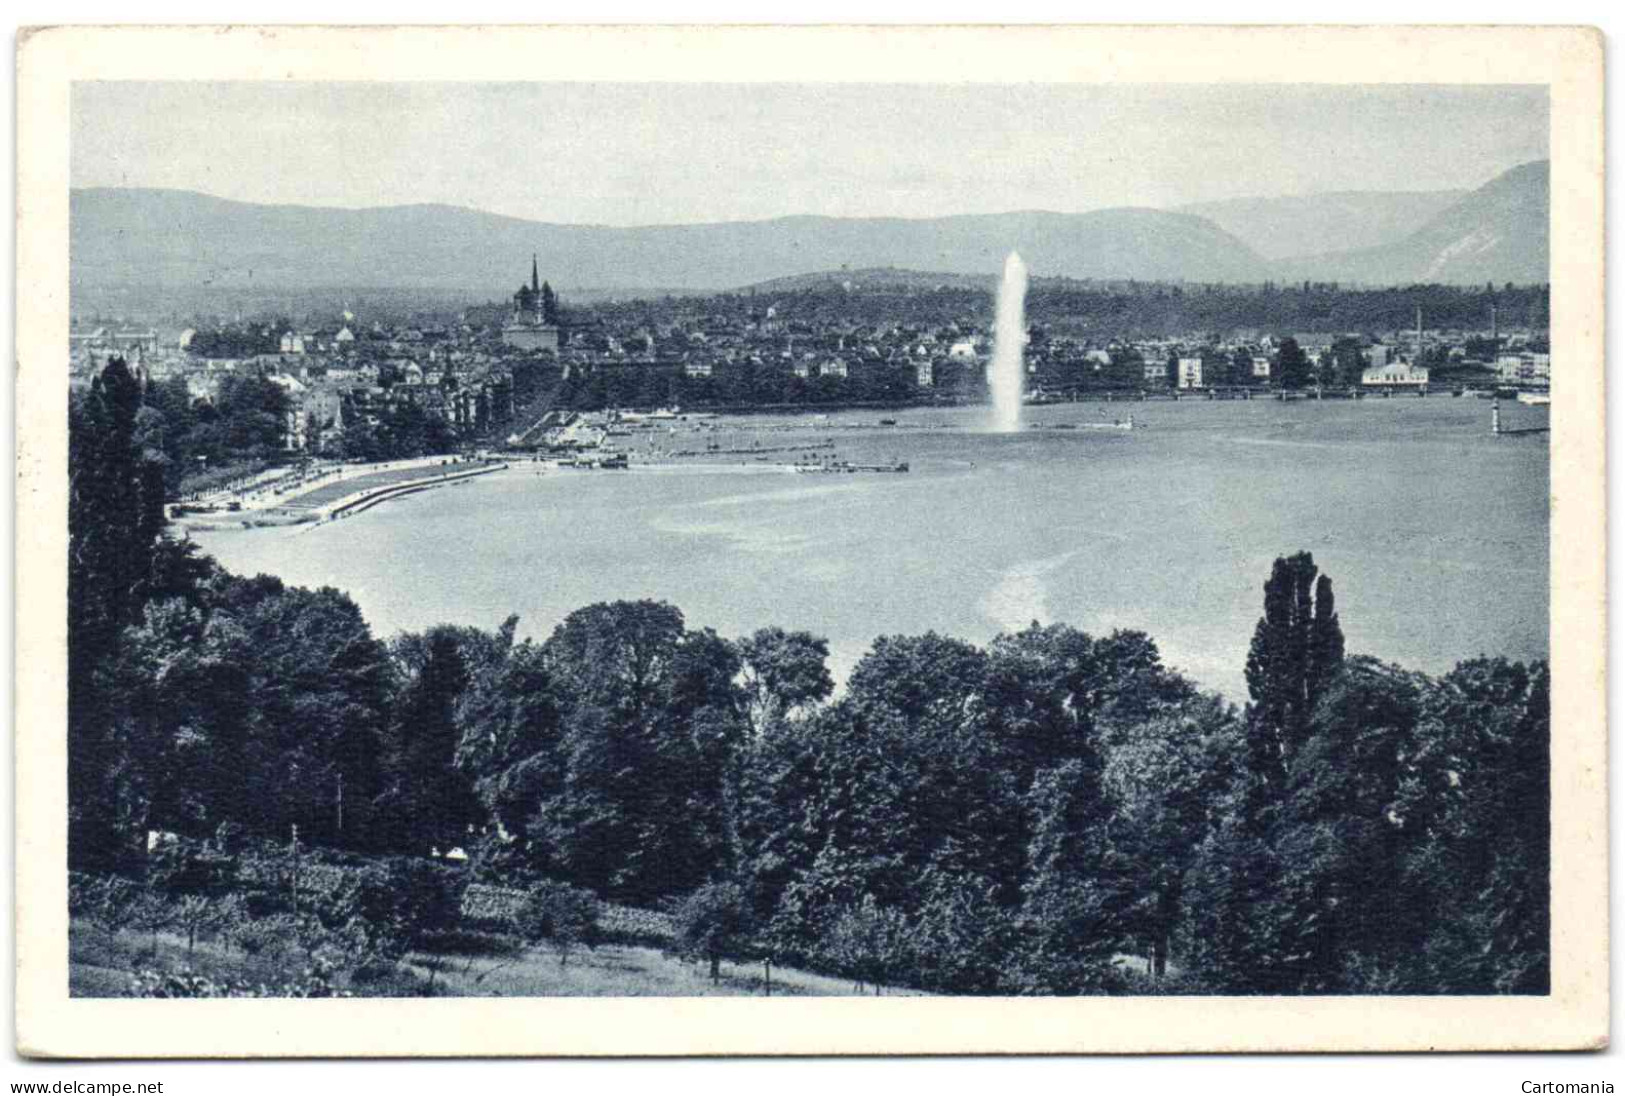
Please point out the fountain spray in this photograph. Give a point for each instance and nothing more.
(1004, 371)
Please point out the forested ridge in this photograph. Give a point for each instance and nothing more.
(1021, 817)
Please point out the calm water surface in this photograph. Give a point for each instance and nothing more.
(1433, 531)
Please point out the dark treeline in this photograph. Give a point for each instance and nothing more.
(1297, 307)
(1119, 309)
(745, 385)
(402, 430)
(237, 340)
(1126, 307)
(243, 425)
(201, 444)
(1015, 818)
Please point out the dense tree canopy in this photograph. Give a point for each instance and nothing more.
(1054, 812)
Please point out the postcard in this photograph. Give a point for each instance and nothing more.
(576, 541)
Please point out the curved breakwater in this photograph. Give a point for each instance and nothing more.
(320, 505)
(366, 500)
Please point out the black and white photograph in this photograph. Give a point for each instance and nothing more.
(674, 536)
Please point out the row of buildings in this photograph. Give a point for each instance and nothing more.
(333, 379)
(1382, 366)
(460, 367)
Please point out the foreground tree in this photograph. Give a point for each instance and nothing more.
(715, 923)
(181, 731)
(1343, 837)
(1165, 777)
(115, 506)
(650, 729)
(1246, 915)
(559, 914)
(868, 942)
(115, 519)
(1297, 648)
(784, 673)
(1074, 904)
(511, 741)
(428, 801)
(320, 694)
(1481, 788)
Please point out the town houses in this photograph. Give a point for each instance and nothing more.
(331, 377)
(478, 371)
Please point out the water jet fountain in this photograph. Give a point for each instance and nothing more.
(1004, 371)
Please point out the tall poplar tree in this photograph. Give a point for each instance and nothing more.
(115, 518)
(1296, 650)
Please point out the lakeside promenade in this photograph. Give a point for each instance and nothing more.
(340, 492)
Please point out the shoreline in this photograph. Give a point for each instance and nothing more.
(345, 506)
(287, 512)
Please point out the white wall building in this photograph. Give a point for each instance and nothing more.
(1527, 368)
(1395, 375)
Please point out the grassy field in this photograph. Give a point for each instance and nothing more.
(619, 971)
(101, 964)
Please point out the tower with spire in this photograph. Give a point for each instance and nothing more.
(533, 326)
(527, 302)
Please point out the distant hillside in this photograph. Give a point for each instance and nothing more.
(876, 277)
(183, 238)
(1497, 233)
(1313, 224)
(915, 281)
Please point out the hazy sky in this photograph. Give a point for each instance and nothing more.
(662, 153)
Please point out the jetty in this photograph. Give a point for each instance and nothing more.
(750, 450)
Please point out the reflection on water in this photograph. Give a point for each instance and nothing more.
(1434, 532)
(1022, 593)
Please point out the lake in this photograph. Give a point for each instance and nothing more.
(1434, 532)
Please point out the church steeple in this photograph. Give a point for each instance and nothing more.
(535, 283)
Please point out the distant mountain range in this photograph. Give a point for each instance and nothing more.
(182, 238)
(1497, 233)
(1314, 224)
